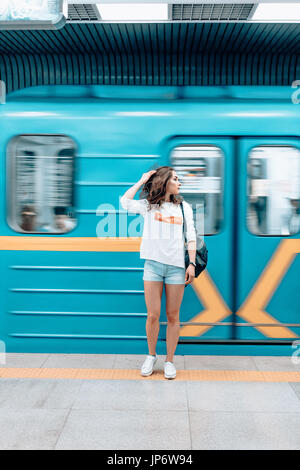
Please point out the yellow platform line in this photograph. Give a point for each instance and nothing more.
(134, 374)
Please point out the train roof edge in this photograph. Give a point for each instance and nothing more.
(140, 92)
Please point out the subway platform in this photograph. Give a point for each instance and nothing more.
(95, 401)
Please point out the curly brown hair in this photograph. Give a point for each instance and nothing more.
(154, 190)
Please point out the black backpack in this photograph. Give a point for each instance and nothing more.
(201, 251)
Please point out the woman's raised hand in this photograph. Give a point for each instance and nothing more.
(146, 176)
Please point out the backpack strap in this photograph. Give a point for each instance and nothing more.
(184, 225)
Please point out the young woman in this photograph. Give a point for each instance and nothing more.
(162, 248)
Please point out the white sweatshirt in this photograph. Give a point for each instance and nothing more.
(163, 238)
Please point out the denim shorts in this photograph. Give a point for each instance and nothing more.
(156, 271)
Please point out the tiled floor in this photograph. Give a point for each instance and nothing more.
(143, 414)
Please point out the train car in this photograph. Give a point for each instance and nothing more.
(70, 266)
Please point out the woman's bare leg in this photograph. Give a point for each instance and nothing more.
(174, 296)
(153, 292)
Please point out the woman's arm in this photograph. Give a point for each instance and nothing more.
(192, 250)
(191, 242)
(131, 192)
(127, 201)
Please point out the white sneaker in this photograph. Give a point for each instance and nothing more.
(170, 371)
(147, 367)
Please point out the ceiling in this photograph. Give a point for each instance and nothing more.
(156, 38)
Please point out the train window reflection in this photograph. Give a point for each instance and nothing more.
(273, 190)
(40, 183)
(200, 171)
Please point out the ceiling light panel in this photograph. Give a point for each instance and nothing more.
(133, 11)
(212, 12)
(83, 12)
(277, 11)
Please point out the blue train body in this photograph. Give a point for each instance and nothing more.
(66, 293)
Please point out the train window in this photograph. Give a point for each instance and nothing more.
(273, 190)
(40, 183)
(200, 171)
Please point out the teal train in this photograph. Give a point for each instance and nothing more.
(71, 274)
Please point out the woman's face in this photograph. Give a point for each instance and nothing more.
(173, 185)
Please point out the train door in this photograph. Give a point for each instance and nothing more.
(266, 233)
(205, 167)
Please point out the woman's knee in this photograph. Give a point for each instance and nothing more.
(173, 317)
(153, 317)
